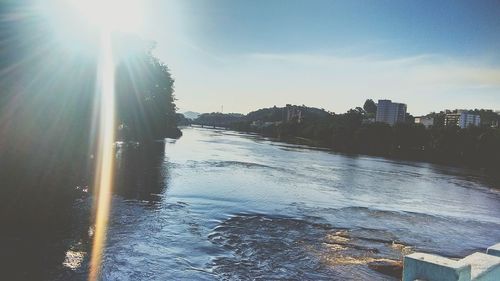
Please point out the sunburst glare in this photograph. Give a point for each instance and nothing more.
(106, 17)
(104, 168)
(114, 15)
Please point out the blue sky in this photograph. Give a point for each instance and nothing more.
(245, 55)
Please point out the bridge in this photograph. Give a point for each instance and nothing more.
(210, 126)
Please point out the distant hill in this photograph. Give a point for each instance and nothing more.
(182, 120)
(218, 119)
(273, 114)
(191, 115)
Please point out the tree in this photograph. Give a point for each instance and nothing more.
(410, 119)
(218, 119)
(438, 119)
(370, 107)
(488, 117)
(46, 112)
(375, 138)
(144, 91)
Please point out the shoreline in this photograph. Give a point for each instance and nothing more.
(490, 175)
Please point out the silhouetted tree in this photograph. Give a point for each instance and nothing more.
(370, 107)
(438, 119)
(409, 118)
(488, 117)
(218, 119)
(144, 91)
(47, 113)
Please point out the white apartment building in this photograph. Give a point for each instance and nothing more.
(390, 112)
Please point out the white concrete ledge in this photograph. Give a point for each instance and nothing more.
(484, 267)
(475, 267)
(421, 266)
(494, 250)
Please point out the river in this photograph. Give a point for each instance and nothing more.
(220, 205)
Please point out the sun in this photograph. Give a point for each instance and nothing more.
(112, 15)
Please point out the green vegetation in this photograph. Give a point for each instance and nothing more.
(370, 107)
(144, 93)
(48, 115)
(488, 117)
(217, 119)
(354, 132)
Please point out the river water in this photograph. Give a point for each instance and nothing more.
(220, 205)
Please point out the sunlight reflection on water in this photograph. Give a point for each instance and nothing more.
(74, 259)
(213, 206)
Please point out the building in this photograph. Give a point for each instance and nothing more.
(467, 119)
(424, 120)
(390, 112)
(462, 119)
(451, 119)
(292, 113)
(494, 124)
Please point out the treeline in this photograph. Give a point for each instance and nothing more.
(488, 117)
(48, 116)
(479, 147)
(263, 115)
(355, 132)
(218, 119)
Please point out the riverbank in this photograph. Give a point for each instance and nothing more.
(219, 204)
(491, 174)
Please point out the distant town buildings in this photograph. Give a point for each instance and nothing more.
(292, 113)
(494, 124)
(424, 120)
(451, 119)
(462, 119)
(390, 112)
(467, 120)
(259, 124)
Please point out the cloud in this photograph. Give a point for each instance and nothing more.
(426, 82)
(448, 82)
(422, 69)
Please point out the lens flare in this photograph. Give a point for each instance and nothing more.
(105, 154)
(116, 15)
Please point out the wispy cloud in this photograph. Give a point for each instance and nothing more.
(426, 82)
(425, 68)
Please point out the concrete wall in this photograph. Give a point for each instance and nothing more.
(474, 267)
(434, 268)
